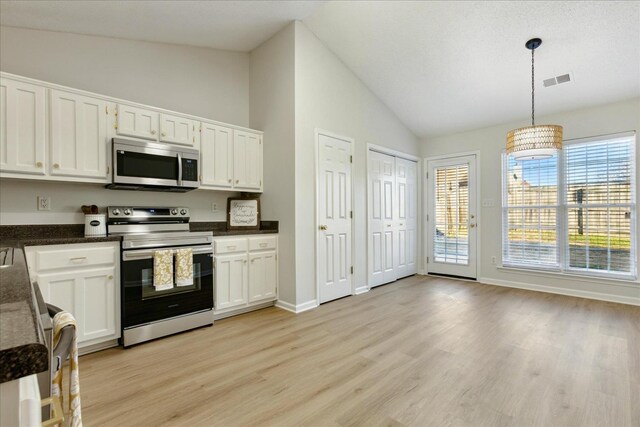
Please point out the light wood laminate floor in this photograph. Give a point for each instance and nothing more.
(420, 351)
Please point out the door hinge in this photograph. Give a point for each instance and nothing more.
(427, 217)
(351, 269)
(350, 159)
(106, 109)
(427, 175)
(351, 214)
(108, 169)
(427, 260)
(193, 127)
(115, 125)
(193, 139)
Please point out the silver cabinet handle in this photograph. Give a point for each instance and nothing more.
(78, 258)
(153, 132)
(263, 245)
(231, 247)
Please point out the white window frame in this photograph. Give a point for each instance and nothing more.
(562, 237)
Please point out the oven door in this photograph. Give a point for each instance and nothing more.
(142, 303)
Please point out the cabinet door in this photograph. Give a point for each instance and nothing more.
(22, 127)
(231, 281)
(247, 164)
(78, 135)
(216, 153)
(263, 276)
(177, 130)
(90, 295)
(137, 122)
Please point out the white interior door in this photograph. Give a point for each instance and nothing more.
(451, 221)
(382, 214)
(407, 217)
(334, 218)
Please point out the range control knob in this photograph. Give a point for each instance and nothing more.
(174, 211)
(116, 211)
(127, 211)
(183, 211)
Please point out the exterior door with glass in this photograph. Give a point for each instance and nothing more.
(451, 216)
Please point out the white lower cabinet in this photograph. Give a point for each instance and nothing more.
(231, 281)
(246, 273)
(263, 276)
(82, 279)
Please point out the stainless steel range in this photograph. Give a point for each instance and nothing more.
(150, 311)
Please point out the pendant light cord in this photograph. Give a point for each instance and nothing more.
(533, 120)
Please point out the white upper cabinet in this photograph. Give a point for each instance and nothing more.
(178, 130)
(79, 143)
(137, 122)
(247, 165)
(216, 153)
(22, 127)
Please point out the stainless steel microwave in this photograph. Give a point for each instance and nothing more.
(141, 165)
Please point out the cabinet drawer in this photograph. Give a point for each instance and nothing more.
(228, 246)
(48, 259)
(262, 243)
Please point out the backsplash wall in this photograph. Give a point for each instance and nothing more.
(18, 201)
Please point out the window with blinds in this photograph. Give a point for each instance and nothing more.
(574, 212)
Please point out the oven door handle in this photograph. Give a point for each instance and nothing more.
(147, 254)
(179, 169)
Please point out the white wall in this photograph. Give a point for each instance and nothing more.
(272, 111)
(18, 201)
(607, 119)
(198, 81)
(204, 82)
(330, 97)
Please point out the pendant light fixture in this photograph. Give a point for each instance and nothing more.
(535, 141)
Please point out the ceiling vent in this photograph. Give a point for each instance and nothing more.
(564, 78)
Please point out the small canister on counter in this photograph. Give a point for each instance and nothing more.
(95, 225)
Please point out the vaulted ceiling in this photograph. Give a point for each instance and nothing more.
(440, 66)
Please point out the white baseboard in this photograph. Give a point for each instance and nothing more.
(561, 291)
(361, 290)
(309, 305)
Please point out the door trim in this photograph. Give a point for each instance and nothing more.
(316, 221)
(427, 193)
(420, 257)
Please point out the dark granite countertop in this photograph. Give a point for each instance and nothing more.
(22, 346)
(219, 228)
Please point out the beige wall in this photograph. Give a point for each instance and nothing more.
(204, 82)
(606, 119)
(330, 97)
(272, 110)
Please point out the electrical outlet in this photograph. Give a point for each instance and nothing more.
(214, 207)
(494, 260)
(44, 203)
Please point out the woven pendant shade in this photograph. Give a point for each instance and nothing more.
(534, 142)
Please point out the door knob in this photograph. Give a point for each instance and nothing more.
(323, 227)
(471, 225)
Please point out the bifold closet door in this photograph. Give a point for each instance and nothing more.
(393, 222)
(407, 221)
(382, 236)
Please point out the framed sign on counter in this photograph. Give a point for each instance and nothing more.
(243, 214)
